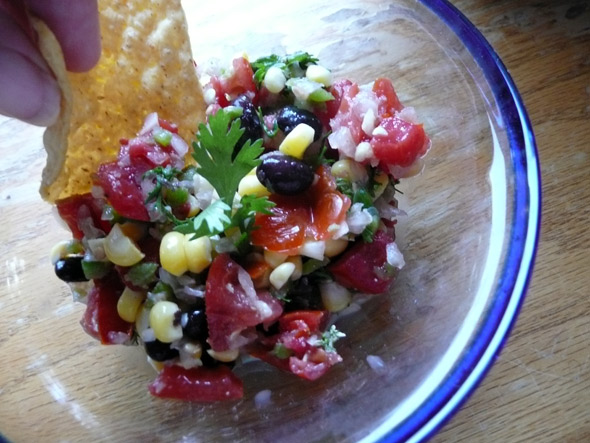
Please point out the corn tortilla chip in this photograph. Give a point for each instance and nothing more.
(145, 66)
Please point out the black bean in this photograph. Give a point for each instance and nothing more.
(249, 121)
(196, 325)
(69, 269)
(283, 174)
(290, 116)
(304, 295)
(160, 351)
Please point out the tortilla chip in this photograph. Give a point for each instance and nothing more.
(145, 66)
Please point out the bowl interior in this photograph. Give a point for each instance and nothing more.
(57, 382)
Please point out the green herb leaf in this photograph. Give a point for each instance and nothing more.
(329, 337)
(289, 64)
(163, 177)
(142, 274)
(214, 150)
(211, 221)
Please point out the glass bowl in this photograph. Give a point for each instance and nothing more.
(469, 241)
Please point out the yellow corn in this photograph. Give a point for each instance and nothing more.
(281, 274)
(319, 74)
(224, 356)
(157, 365)
(296, 260)
(195, 350)
(297, 141)
(382, 180)
(335, 247)
(120, 249)
(250, 185)
(197, 252)
(129, 303)
(274, 258)
(194, 206)
(349, 169)
(163, 321)
(172, 254)
(135, 231)
(142, 319)
(334, 296)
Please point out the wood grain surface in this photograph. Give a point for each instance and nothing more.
(539, 388)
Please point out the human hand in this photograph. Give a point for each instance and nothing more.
(28, 89)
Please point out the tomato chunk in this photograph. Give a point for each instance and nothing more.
(122, 190)
(198, 384)
(389, 103)
(77, 207)
(232, 304)
(363, 266)
(101, 319)
(403, 143)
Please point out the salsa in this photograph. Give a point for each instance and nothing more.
(283, 217)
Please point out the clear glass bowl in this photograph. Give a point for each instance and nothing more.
(469, 241)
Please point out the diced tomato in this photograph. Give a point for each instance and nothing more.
(169, 126)
(284, 230)
(389, 103)
(198, 384)
(145, 156)
(403, 143)
(77, 207)
(240, 82)
(363, 266)
(337, 90)
(122, 189)
(304, 359)
(101, 319)
(232, 304)
(304, 216)
(315, 320)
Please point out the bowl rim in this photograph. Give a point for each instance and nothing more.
(523, 241)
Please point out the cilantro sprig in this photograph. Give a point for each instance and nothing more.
(224, 169)
(163, 178)
(287, 63)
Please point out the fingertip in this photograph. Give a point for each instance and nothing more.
(76, 26)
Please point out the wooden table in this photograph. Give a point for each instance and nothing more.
(539, 389)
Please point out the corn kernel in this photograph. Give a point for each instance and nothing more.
(163, 321)
(224, 356)
(319, 74)
(194, 206)
(142, 319)
(250, 185)
(297, 141)
(172, 254)
(313, 249)
(134, 231)
(198, 253)
(274, 80)
(349, 169)
(335, 247)
(58, 251)
(382, 180)
(281, 274)
(274, 258)
(129, 303)
(297, 272)
(195, 350)
(120, 249)
(335, 297)
(157, 365)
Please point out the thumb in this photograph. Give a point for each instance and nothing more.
(27, 92)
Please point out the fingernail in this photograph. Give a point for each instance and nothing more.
(27, 92)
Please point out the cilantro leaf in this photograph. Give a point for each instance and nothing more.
(164, 178)
(214, 150)
(329, 337)
(211, 221)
